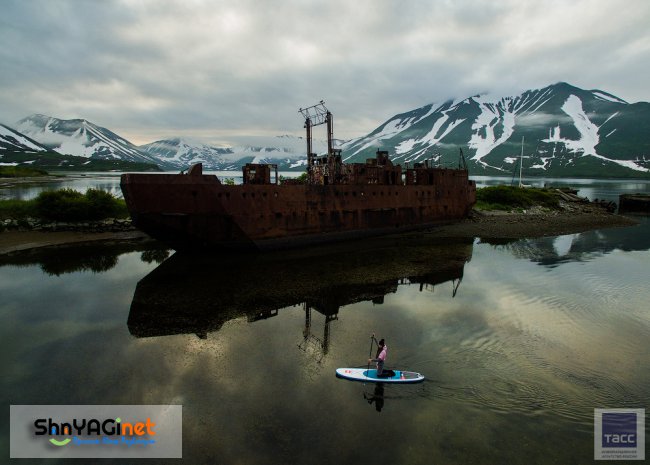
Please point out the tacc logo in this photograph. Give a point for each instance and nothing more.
(619, 429)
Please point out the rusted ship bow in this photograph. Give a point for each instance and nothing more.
(338, 201)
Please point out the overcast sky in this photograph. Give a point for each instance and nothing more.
(213, 70)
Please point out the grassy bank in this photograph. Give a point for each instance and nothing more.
(20, 172)
(514, 198)
(66, 205)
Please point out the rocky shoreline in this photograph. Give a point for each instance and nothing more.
(26, 234)
(537, 222)
(572, 218)
(34, 224)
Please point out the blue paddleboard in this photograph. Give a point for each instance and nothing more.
(370, 376)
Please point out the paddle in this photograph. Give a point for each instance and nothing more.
(372, 340)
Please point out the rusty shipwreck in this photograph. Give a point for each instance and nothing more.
(338, 200)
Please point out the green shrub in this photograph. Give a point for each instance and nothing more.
(121, 211)
(63, 205)
(101, 203)
(70, 205)
(302, 179)
(510, 197)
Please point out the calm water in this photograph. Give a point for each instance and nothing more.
(519, 343)
(604, 189)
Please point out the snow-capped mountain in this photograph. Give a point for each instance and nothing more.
(567, 131)
(13, 141)
(182, 153)
(81, 138)
(288, 152)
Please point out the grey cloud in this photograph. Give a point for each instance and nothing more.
(211, 68)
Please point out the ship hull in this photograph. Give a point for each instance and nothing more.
(199, 212)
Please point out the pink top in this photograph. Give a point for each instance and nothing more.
(382, 354)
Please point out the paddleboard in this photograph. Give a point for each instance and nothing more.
(370, 376)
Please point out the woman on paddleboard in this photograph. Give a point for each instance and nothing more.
(380, 358)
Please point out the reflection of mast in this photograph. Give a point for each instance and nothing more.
(310, 340)
(456, 286)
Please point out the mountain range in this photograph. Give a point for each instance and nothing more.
(288, 152)
(566, 131)
(556, 131)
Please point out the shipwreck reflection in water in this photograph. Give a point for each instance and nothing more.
(189, 294)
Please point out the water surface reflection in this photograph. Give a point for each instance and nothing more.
(553, 251)
(516, 357)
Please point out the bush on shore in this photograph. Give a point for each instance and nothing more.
(511, 197)
(66, 205)
(302, 179)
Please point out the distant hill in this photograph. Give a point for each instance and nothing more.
(81, 138)
(567, 132)
(16, 149)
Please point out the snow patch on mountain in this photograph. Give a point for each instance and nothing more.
(405, 146)
(545, 161)
(432, 137)
(599, 94)
(14, 138)
(491, 116)
(589, 137)
(612, 116)
(588, 130)
(390, 129)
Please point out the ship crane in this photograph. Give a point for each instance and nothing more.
(316, 115)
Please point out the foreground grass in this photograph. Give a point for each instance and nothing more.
(513, 198)
(66, 205)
